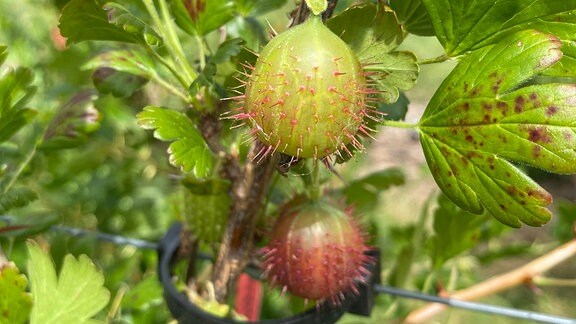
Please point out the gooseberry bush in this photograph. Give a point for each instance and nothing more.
(251, 122)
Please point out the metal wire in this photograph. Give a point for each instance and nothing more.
(478, 307)
(382, 289)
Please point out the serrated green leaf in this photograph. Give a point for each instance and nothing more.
(482, 117)
(368, 30)
(188, 151)
(455, 231)
(202, 16)
(84, 20)
(75, 296)
(413, 16)
(15, 302)
(373, 32)
(462, 26)
(16, 198)
(391, 73)
(15, 91)
(363, 193)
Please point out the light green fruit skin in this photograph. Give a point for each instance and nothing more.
(306, 95)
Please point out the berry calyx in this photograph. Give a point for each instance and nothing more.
(316, 251)
(306, 95)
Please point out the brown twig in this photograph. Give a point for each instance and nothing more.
(497, 284)
(249, 186)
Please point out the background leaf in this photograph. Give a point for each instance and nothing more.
(258, 7)
(84, 20)
(363, 193)
(202, 16)
(74, 296)
(461, 26)
(73, 123)
(413, 16)
(16, 90)
(130, 61)
(188, 151)
(455, 231)
(15, 198)
(15, 302)
(227, 49)
(117, 83)
(482, 116)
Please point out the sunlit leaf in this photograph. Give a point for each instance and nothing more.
(462, 26)
(485, 115)
(188, 151)
(413, 16)
(15, 302)
(75, 296)
(455, 231)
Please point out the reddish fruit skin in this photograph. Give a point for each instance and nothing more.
(316, 252)
(306, 95)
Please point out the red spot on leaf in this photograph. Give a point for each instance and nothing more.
(519, 104)
(539, 135)
(551, 111)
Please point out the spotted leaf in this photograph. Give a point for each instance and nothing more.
(487, 115)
